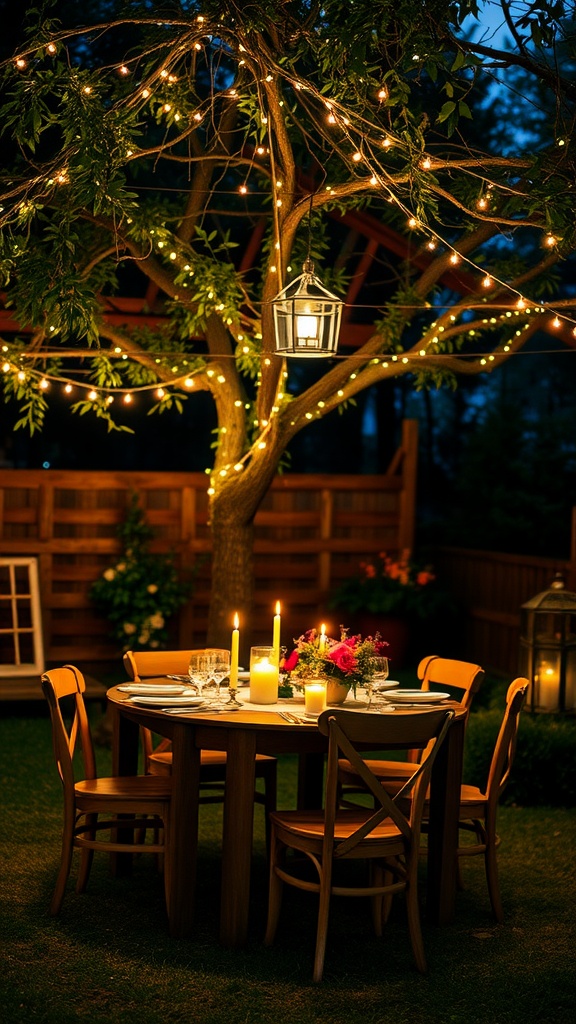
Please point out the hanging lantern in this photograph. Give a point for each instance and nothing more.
(548, 648)
(306, 317)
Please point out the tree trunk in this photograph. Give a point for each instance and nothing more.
(232, 583)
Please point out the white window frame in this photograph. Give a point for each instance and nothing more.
(12, 598)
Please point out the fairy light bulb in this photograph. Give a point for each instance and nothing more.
(383, 93)
(51, 48)
(520, 304)
(20, 63)
(426, 163)
(68, 389)
(556, 322)
(487, 281)
(145, 93)
(160, 392)
(123, 70)
(482, 203)
(357, 157)
(21, 376)
(44, 384)
(454, 258)
(92, 396)
(127, 398)
(550, 241)
(412, 223)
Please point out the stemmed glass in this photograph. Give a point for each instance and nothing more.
(219, 666)
(199, 670)
(381, 670)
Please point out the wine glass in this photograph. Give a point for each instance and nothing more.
(381, 670)
(219, 659)
(199, 670)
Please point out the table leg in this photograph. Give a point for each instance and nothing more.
(443, 826)
(237, 838)
(181, 853)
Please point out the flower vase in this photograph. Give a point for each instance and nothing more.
(336, 691)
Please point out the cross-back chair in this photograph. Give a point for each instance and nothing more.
(386, 836)
(142, 665)
(463, 680)
(479, 807)
(130, 803)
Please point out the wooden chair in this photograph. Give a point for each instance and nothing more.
(479, 807)
(130, 803)
(461, 676)
(141, 665)
(385, 836)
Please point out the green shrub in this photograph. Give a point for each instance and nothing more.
(544, 769)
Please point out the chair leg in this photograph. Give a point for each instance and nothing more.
(377, 901)
(322, 929)
(86, 858)
(275, 891)
(270, 799)
(491, 865)
(65, 865)
(414, 925)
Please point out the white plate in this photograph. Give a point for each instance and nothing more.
(151, 689)
(189, 700)
(415, 696)
(388, 684)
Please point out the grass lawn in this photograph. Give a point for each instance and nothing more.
(108, 959)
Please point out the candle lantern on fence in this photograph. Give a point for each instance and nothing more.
(548, 648)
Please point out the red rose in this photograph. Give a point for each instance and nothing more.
(291, 661)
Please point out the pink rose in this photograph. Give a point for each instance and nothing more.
(343, 657)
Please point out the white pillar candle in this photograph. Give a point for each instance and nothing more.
(263, 676)
(234, 653)
(314, 698)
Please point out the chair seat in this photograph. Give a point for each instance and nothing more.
(162, 760)
(311, 825)
(381, 769)
(125, 787)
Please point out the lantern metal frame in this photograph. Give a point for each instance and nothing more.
(303, 306)
(548, 649)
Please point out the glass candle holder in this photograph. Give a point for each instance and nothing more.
(263, 676)
(314, 698)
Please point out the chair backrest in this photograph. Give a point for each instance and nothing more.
(460, 675)
(346, 730)
(145, 664)
(64, 689)
(505, 747)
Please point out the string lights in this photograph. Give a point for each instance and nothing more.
(368, 143)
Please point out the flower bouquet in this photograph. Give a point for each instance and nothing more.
(349, 660)
(390, 586)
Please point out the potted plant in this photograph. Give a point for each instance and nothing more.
(391, 596)
(140, 592)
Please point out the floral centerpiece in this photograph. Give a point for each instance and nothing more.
(349, 660)
(390, 586)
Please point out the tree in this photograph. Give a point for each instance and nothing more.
(193, 157)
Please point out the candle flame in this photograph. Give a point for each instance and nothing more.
(277, 607)
(236, 620)
(323, 629)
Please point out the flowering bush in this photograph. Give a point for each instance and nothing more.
(347, 660)
(389, 586)
(141, 591)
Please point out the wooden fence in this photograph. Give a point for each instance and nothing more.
(490, 588)
(310, 532)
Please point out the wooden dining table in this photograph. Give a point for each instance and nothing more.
(243, 734)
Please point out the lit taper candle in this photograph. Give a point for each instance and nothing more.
(234, 653)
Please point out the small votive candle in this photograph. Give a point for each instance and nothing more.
(314, 698)
(263, 676)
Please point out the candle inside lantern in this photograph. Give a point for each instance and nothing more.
(276, 634)
(234, 653)
(314, 698)
(548, 685)
(263, 676)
